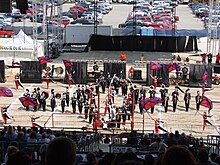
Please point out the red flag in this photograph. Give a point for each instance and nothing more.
(206, 102)
(150, 102)
(154, 65)
(44, 59)
(67, 63)
(15, 63)
(5, 92)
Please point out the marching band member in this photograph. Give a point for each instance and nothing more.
(5, 114)
(18, 81)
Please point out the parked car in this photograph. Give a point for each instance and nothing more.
(6, 33)
(17, 16)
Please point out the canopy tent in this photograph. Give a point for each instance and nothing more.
(20, 48)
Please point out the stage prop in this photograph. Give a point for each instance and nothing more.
(162, 75)
(143, 43)
(2, 71)
(137, 75)
(22, 5)
(113, 67)
(196, 75)
(77, 71)
(31, 72)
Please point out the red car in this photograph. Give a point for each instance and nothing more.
(6, 33)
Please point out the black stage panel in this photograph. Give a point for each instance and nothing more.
(5, 6)
(196, 75)
(114, 68)
(78, 72)
(2, 71)
(31, 72)
(143, 43)
(22, 5)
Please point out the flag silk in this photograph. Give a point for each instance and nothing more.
(5, 92)
(27, 100)
(154, 65)
(206, 102)
(172, 66)
(67, 63)
(44, 59)
(150, 102)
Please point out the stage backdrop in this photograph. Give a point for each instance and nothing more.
(2, 71)
(143, 43)
(162, 75)
(31, 72)
(78, 72)
(196, 73)
(114, 68)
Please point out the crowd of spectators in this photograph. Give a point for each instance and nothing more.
(62, 148)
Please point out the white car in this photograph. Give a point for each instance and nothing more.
(67, 18)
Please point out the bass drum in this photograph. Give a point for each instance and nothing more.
(59, 70)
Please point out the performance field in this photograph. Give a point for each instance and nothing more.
(112, 111)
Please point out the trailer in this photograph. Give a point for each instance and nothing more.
(80, 34)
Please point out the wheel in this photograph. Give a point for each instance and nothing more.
(6, 36)
(217, 82)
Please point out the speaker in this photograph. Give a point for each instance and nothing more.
(22, 5)
(5, 6)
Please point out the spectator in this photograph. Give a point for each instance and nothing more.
(10, 151)
(145, 141)
(20, 137)
(42, 153)
(91, 160)
(149, 159)
(183, 140)
(127, 159)
(187, 59)
(203, 58)
(107, 139)
(32, 138)
(61, 150)
(10, 134)
(177, 135)
(131, 72)
(132, 139)
(44, 139)
(178, 155)
(158, 145)
(203, 158)
(19, 158)
(213, 156)
(123, 56)
(217, 58)
(209, 58)
(142, 58)
(217, 160)
(170, 140)
(107, 159)
(2, 136)
(50, 134)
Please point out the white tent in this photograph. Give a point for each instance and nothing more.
(20, 48)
